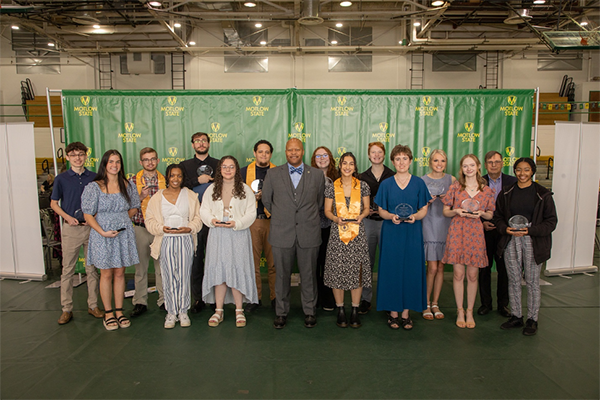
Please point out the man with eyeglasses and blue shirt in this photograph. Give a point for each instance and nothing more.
(198, 180)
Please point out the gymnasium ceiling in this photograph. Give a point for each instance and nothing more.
(118, 26)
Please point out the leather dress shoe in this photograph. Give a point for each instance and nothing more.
(483, 310)
(138, 309)
(310, 321)
(280, 322)
(342, 321)
(197, 306)
(504, 311)
(251, 307)
(65, 317)
(354, 320)
(96, 312)
(364, 307)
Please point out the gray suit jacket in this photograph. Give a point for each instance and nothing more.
(294, 219)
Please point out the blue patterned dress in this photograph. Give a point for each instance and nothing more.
(111, 214)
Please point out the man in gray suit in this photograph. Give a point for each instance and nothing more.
(293, 193)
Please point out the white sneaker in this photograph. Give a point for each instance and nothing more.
(184, 320)
(170, 321)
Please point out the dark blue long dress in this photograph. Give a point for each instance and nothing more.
(401, 283)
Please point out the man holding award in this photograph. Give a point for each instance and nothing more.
(254, 176)
(199, 172)
(497, 181)
(293, 193)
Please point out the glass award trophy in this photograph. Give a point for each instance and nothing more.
(256, 185)
(470, 206)
(204, 170)
(519, 222)
(145, 183)
(436, 189)
(403, 211)
(174, 221)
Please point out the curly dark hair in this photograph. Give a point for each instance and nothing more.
(102, 175)
(169, 170)
(332, 172)
(238, 184)
(355, 173)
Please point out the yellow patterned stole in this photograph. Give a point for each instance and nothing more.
(348, 231)
(140, 183)
(251, 176)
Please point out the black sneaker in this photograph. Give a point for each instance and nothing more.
(513, 322)
(138, 309)
(364, 307)
(530, 327)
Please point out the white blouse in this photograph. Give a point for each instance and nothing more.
(176, 215)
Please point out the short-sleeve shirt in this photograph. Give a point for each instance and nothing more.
(68, 188)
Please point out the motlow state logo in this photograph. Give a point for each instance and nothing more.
(469, 135)
(257, 110)
(383, 135)
(342, 110)
(340, 152)
(424, 160)
(425, 109)
(511, 110)
(172, 159)
(510, 158)
(90, 162)
(172, 110)
(129, 136)
(250, 160)
(215, 135)
(85, 110)
(299, 127)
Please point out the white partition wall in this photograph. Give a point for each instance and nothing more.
(20, 233)
(575, 185)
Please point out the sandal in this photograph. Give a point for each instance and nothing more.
(240, 319)
(460, 322)
(393, 322)
(216, 318)
(123, 321)
(427, 314)
(407, 323)
(111, 324)
(437, 314)
(470, 324)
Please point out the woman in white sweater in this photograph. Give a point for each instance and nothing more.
(228, 208)
(173, 217)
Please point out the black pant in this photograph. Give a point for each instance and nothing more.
(325, 296)
(198, 264)
(485, 274)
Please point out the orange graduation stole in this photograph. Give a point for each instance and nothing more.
(251, 176)
(349, 231)
(140, 183)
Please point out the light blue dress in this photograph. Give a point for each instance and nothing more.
(435, 225)
(111, 214)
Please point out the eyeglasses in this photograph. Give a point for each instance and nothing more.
(77, 155)
(494, 162)
(227, 167)
(319, 156)
(147, 160)
(203, 141)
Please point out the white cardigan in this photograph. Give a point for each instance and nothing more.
(242, 210)
(154, 220)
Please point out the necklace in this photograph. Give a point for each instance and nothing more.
(402, 182)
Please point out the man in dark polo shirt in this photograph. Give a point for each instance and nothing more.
(261, 227)
(67, 190)
(198, 182)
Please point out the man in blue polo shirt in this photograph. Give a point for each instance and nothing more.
(68, 188)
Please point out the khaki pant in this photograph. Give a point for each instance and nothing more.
(143, 240)
(73, 237)
(260, 233)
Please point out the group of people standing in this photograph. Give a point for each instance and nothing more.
(207, 223)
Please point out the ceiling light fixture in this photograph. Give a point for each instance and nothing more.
(51, 44)
(16, 28)
(416, 23)
(262, 42)
(258, 25)
(437, 3)
(334, 42)
(155, 3)
(539, 1)
(96, 26)
(346, 3)
(339, 25)
(583, 23)
(250, 4)
(192, 43)
(177, 25)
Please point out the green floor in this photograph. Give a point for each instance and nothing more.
(40, 359)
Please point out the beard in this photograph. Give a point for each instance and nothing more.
(262, 165)
(202, 152)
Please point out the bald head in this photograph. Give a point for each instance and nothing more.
(294, 151)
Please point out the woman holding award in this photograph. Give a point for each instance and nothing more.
(402, 204)
(347, 266)
(435, 230)
(525, 216)
(323, 159)
(229, 208)
(173, 217)
(466, 202)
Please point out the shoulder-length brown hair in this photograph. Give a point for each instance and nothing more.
(461, 175)
(332, 172)
(238, 184)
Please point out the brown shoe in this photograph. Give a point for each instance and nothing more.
(65, 317)
(96, 312)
